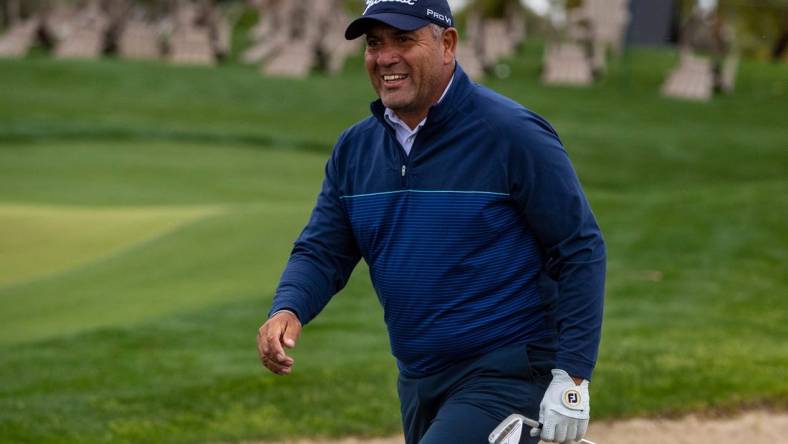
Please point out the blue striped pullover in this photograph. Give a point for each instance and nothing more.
(480, 238)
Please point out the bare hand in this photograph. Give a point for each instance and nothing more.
(281, 331)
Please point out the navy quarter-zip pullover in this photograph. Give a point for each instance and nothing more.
(480, 238)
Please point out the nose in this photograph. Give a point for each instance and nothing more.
(387, 55)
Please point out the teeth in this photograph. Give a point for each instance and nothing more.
(393, 77)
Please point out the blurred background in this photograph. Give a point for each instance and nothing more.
(158, 158)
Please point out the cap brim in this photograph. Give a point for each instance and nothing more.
(359, 26)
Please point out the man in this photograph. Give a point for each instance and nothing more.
(481, 245)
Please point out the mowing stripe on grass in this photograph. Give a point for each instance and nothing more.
(41, 240)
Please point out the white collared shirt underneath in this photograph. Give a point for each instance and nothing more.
(405, 135)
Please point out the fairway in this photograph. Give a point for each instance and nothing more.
(143, 231)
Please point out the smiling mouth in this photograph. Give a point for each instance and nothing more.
(394, 77)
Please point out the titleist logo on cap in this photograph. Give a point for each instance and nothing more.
(371, 3)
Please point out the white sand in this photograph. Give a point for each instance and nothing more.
(755, 427)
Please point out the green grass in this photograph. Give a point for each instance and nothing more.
(146, 212)
(51, 239)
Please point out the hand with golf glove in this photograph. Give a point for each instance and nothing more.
(564, 411)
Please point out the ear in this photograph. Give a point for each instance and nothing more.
(450, 37)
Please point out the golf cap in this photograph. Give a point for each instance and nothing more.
(407, 15)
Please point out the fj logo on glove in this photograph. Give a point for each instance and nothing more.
(572, 398)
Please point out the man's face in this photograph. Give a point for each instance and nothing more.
(405, 67)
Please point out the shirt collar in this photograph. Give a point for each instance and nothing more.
(394, 120)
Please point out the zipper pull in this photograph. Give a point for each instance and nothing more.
(403, 170)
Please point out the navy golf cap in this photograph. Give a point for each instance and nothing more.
(407, 15)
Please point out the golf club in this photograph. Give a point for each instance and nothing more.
(511, 428)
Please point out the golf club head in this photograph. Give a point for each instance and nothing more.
(508, 431)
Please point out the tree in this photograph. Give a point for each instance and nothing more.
(761, 25)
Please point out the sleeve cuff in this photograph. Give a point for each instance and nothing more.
(284, 310)
(276, 309)
(575, 368)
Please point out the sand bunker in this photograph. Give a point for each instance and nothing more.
(756, 427)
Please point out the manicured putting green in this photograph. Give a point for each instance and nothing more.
(52, 239)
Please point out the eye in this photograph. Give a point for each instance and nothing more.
(403, 38)
(373, 43)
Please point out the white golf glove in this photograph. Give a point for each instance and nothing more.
(564, 411)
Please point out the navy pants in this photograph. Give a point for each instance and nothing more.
(464, 403)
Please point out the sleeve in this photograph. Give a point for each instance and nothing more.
(545, 186)
(322, 258)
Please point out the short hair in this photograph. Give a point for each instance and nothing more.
(437, 30)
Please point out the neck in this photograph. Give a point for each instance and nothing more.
(412, 118)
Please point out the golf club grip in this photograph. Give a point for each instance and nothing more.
(536, 424)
